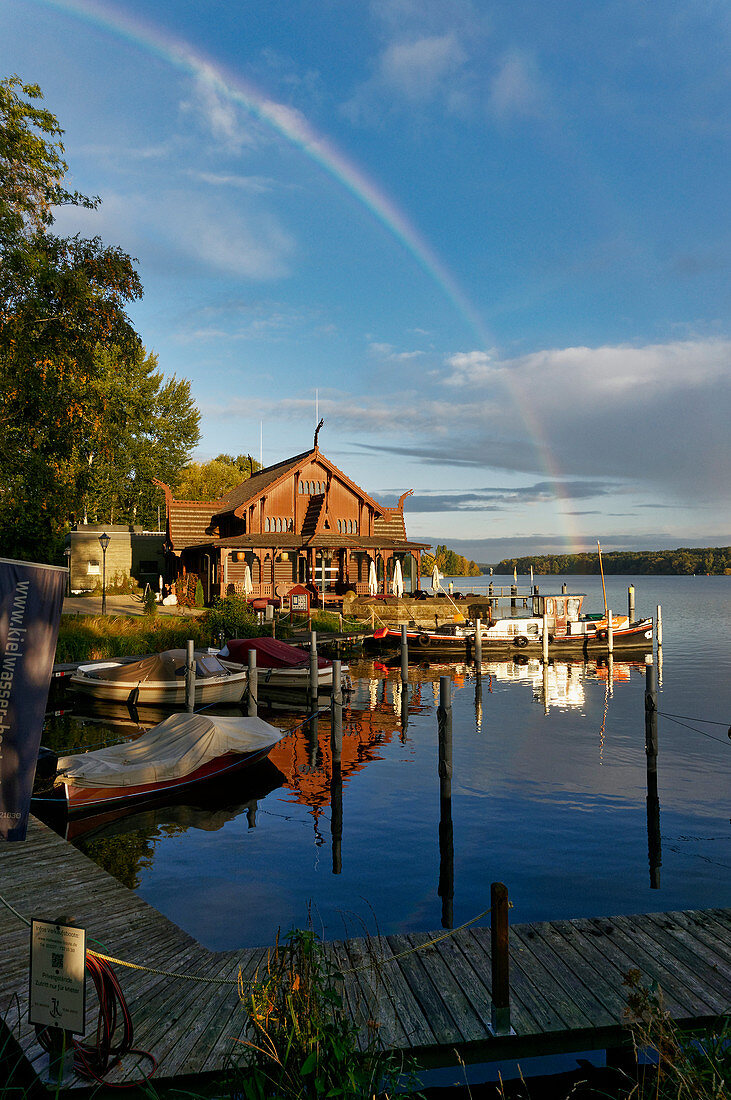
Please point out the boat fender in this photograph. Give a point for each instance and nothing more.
(520, 641)
(601, 635)
(424, 640)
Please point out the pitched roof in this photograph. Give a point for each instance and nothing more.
(253, 487)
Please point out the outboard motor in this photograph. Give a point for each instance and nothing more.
(45, 768)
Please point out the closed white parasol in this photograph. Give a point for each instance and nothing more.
(397, 584)
(248, 586)
(372, 579)
(436, 576)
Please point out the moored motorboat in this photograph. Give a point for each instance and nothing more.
(279, 665)
(160, 680)
(179, 753)
(568, 632)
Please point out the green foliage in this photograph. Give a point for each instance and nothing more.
(301, 1042)
(449, 563)
(199, 599)
(149, 603)
(684, 560)
(689, 1066)
(146, 428)
(326, 621)
(232, 617)
(212, 480)
(60, 299)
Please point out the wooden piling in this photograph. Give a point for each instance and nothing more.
(610, 632)
(544, 639)
(336, 775)
(499, 942)
(659, 627)
(404, 656)
(478, 642)
(253, 682)
(446, 836)
(654, 850)
(313, 685)
(190, 675)
(631, 603)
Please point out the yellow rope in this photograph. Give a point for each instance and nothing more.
(164, 973)
(235, 981)
(429, 943)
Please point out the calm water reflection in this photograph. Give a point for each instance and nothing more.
(552, 792)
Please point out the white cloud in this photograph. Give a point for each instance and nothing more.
(419, 69)
(516, 88)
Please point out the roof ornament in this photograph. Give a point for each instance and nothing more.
(402, 498)
(317, 432)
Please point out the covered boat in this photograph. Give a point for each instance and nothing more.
(160, 679)
(279, 665)
(182, 751)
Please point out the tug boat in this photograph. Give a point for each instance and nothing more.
(569, 632)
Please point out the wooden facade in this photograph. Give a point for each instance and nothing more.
(301, 521)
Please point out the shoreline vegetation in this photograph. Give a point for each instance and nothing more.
(707, 560)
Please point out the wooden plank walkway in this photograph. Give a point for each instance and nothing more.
(566, 976)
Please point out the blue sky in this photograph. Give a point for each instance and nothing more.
(487, 242)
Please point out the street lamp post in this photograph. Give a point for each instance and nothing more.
(67, 555)
(104, 543)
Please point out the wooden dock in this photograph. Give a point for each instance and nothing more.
(566, 976)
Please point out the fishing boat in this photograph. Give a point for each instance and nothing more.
(159, 680)
(179, 753)
(279, 665)
(569, 631)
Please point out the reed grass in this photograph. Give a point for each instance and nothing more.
(94, 638)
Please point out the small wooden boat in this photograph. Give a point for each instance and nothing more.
(159, 680)
(279, 665)
(568, 632)
(181, 752)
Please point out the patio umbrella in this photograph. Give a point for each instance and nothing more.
(397, 584)
(248, 586)
(436, 576)
(372, 579)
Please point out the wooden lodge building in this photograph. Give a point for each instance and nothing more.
(299, 522)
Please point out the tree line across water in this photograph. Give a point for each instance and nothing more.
(684, 560)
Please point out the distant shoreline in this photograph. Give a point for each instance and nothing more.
(684, 561)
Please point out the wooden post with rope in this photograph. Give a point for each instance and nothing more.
(499, 942)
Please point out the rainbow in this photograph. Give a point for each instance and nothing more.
(294, 127)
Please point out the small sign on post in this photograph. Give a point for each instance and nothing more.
(57, 973)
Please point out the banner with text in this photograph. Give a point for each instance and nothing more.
(31, 598)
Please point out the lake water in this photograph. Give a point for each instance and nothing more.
(549, 795)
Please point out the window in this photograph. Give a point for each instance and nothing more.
(266, 524)
(93, 568)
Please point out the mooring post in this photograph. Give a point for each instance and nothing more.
(499, 942)
(513, 594)
(654, 851)
(313, 665)
(659, 627)
(253, 681)
(564, 588)
(610, 633)
(190, 675)
(631, 603)
(478, 643)
(404, 655)
(446, 838)
(336, 714)
(544, 639)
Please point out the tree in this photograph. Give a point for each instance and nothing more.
(146, 427)
(60, 299)
(212, 480)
